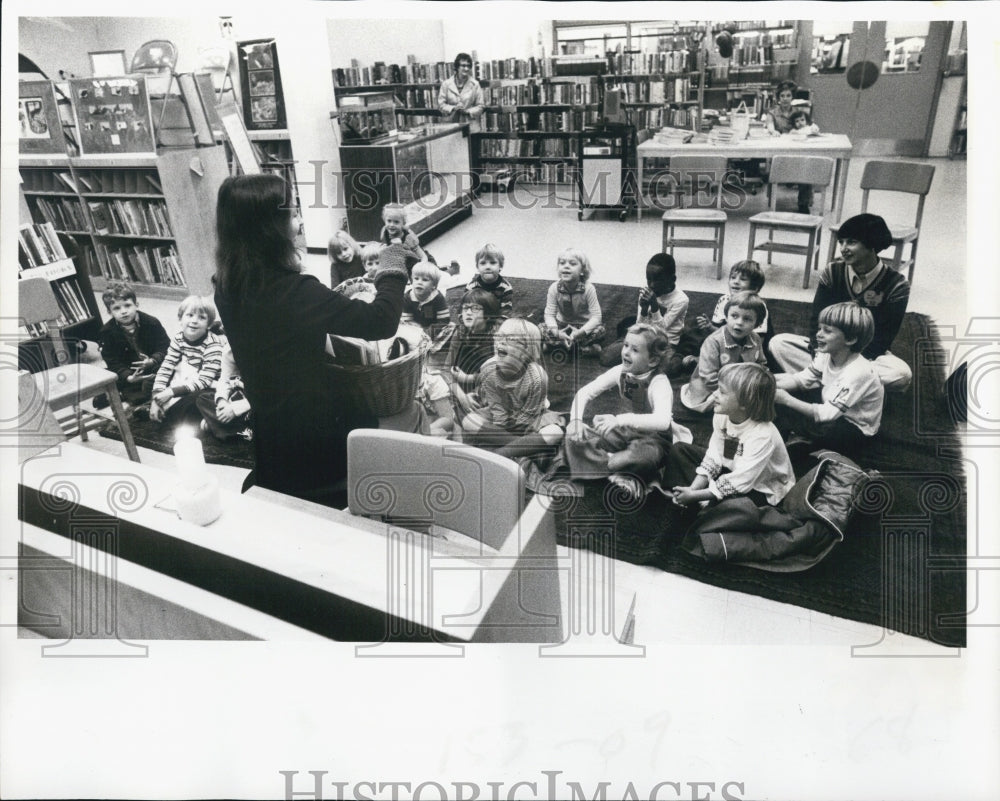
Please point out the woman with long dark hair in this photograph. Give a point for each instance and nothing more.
(277, 320)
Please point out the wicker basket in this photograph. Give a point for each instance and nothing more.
(387, 388)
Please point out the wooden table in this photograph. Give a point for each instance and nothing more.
(836, 146)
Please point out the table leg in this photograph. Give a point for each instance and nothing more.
(638, 188)
(119, 411)
(843, 165)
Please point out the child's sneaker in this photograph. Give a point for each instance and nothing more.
(591, 350)
(101, 401)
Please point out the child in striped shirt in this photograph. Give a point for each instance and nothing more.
(192, 363)
(422, 303)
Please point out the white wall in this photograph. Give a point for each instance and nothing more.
(60, 43)
(495, 36)
(390, 40)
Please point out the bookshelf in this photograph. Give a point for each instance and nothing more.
(536, 107)
(41, 252)
(148, 220)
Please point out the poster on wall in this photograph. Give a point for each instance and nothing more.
(39, 127)
(260, 84)
(113, 115)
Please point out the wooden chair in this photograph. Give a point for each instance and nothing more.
(894, 176)
(692, 173)
(814, 170)
(470, 504)
(67, 383)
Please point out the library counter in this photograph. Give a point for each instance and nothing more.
(427, 171)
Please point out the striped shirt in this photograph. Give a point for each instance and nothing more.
(204, 356)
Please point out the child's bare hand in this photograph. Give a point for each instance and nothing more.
(163, 396)
(782, 396)
(576, 431)
(684, 496)
(224, 411)
(155, 412)
(702, 322)
(605, 423)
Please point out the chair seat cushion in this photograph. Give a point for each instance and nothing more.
(695, 215)
(788, 218)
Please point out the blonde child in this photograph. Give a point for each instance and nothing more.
(192, 363)
(628, 447)
(849, 408)
(508, 412)
(395, 232)
(471, 342)
(369, 258)
(423, 305)
(572, 311)
(345, 258)
(735, 342)
(745, 455)
(489, 263)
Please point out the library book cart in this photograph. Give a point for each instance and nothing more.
(607, 153)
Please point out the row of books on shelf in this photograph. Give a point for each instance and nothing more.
(132, 181)
(670, 90)
(37, 245)
(671, 61)
(147, 264)
(382, 73)
(65, 214)
(544, 121)
(418, 98)
(545, 173)
(767, 38)
(749, 74)
(135, 217)
(527, 148)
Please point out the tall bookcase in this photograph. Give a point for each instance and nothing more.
(148, 220)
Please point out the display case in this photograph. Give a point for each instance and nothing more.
(366, 116)
(426, 170)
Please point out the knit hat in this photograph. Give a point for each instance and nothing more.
(663, 261)
(868, 229)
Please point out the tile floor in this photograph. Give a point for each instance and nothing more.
(534, 223)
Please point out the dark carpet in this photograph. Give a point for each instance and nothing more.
(901, 564)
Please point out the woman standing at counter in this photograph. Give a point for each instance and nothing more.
(460, 98)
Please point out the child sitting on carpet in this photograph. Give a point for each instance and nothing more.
(848, 411)
(422, 303)
(489, 263)
(472, 339)
(132, 343)
(745, 276)
(225, 411)
(745, 456)
(345, 258)
(628, 447)
(509, 410)
(192, 363)
(661, 304)
(572, 311)
(733, 343)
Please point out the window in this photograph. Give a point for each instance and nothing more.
(904, 45)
